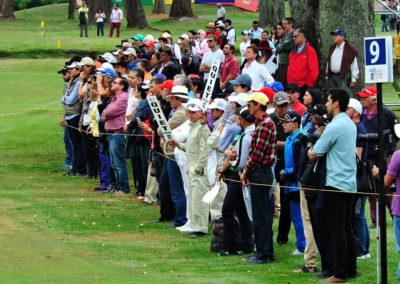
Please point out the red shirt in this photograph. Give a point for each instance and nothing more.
(303, 67)
(299, 107)
(230, 66)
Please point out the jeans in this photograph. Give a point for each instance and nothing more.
(84, 26)
(177, 192)
(79, 165)
(100, 27)
(105, 168)
(167, 208)
(114, 26)
(384, 26)
(116, 149)
(263, 207)
(339, 211)
(234, 206)
(295, 214)
(69, 148)
(361, 227)
(396, 227)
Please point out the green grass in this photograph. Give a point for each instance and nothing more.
(54, 229)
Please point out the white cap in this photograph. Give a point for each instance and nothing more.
(240, 99)
(194, 104)
(86, 61)
(109, 57)
(166, 35)
(116, 52)
(356, 105)
(129, 51)
(73, 65)
(185, 36)
(148, 37)
(105, 66)
(217, 104)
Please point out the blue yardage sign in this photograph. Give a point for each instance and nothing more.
(378, 59)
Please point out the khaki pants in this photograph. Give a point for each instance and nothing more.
(216, 205)
(150, 194)
(198, 210)
(311, 251)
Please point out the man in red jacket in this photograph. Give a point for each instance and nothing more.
(303, 67)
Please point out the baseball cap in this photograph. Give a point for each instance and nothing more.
(339, 32)
(148, 37)
(356, 105)
(323, 119)
(150, 43)
(217, 104)
(268, 92)
(193, 104)
(281, 98)
(86, 61)
(159, 75)
(62, 71)
(166, 85)
(179, 91)
(138, 37)
(73, 65)
(116, 52)
(292, 87)
(292, 116)
(194, 76)
(243, 79)
(166, 35)
(129, 51)
(240, 99)
(185, 36)
(368, 92)
(318, 109)
(109, 57)
(244, 113)
(107, 72)
(245, 33)
(258, 98)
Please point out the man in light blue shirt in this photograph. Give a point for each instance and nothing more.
(338, 142)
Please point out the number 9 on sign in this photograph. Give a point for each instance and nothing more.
(374, 51)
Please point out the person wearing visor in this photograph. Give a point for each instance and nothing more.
(197, 153)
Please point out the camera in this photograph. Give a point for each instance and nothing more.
(373, 137)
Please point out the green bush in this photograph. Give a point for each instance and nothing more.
(26, 4)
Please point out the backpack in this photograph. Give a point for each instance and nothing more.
(217, 227)
(82, 17)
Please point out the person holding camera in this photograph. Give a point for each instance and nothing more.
(369, 118)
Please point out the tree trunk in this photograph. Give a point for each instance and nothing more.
(181, 8)
(159, 7)
(135, 15)
(271, 12)
(320, 17)
(7, 10)
(93, 5)
(71, 9)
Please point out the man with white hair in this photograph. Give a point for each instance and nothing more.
(202, 47)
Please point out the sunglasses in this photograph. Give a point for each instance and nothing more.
(210, 40)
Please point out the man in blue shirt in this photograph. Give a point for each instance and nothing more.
(338, 142)
(291, 126)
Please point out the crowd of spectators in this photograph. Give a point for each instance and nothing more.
(265, 125)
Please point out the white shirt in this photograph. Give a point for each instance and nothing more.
(258, 74)
(336, 62)
(221, 12)
(133, 103)
(230, 36)
(87, 120)
(270, 65)
(243, 47)
(208, 59)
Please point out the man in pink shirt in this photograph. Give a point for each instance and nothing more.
(114, 118)
(230, 67)
(115, 20)
(293, 92)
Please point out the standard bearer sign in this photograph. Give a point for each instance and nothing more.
(160, 118)
(378, 59)
(210, 83)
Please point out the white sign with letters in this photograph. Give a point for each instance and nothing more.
(378, 53)
(210, 83)
(160, 118)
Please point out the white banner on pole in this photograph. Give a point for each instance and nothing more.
(160, 118)
(210, 83)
